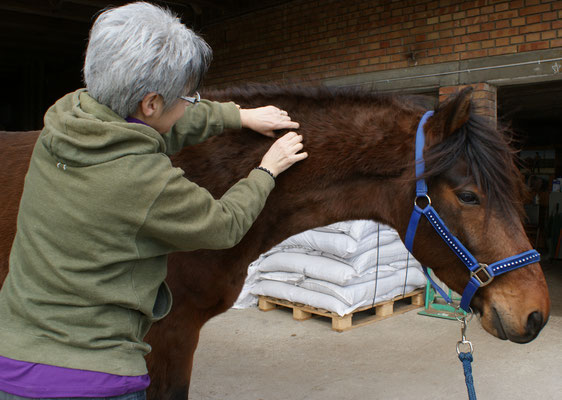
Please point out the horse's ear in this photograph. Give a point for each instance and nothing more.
(449, 116)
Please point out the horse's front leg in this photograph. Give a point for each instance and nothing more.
(173, 341)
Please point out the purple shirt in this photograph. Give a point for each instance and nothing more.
(135, 121)
(39, 380)
(28, 379)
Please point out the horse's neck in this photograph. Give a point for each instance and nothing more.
(371, 182)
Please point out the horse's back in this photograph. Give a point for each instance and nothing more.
(15, 152)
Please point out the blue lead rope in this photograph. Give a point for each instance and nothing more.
(466, 359)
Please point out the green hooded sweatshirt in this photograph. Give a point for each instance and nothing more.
(102, 207)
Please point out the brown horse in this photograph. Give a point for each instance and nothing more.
(360, 166)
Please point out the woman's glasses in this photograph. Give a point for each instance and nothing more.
(192, 100)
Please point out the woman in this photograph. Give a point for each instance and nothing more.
(102, 207)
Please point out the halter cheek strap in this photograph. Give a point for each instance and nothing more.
(476, 269)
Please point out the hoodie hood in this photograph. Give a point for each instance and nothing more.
(80, 132)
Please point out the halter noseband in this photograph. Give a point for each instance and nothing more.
(490, 271)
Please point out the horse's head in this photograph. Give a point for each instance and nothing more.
(476, 188)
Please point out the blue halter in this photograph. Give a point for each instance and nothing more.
(490, 271)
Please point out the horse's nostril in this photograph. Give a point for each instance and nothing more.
(534, 322)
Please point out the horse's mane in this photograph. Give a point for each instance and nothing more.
(490, 157)
(319, 95)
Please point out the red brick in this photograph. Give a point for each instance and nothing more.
(533, 19)
(516, 39)
(532, 37)
(459, 31)
(447, 90)
(535, 9)
(473, 46)
(502, 50)
(472, 12)
(446, 58)
(545, 26)
(551, 16)
(476, 37)
(473, 54)
(504, 23)
(473, 29)
(518, 21)
(556, 43)
(482, 94)
(474, 20)
(502, 42)
(534, 46)
(433, 52)
(447, 26)
(504, 32)
(502, 7)
(503, 15)
(433, 36)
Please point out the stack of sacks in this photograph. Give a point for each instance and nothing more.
(339, 268)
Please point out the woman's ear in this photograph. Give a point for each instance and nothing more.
(151, 105)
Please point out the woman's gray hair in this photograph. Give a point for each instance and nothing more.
(141, 48)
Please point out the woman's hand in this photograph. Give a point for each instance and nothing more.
(267, 119)
(283, 153)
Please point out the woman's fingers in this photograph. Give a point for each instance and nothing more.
(284, 153)
(267, 119)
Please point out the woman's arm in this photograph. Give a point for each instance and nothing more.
(210, 118)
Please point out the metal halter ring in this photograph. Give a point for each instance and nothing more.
(421, 197)
(466, 342)
(461, 316)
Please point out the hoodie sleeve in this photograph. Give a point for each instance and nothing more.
(186, 217)
(201, 121)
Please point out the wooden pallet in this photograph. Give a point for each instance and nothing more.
(364, 315)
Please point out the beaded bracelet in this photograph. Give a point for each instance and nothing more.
(266, 170)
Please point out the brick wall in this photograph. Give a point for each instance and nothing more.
(316, 40)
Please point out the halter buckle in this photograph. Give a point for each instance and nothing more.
(482, 268)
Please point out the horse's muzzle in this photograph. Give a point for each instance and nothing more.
(535, 323)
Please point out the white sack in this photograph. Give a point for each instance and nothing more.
(318, 267)
(338, 244)
(355, 294)
(288, 277)
(357, 229)
(410, 262)
(387, 254)
(245, 298)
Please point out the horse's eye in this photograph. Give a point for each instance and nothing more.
(468, 198)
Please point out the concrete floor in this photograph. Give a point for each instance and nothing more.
(254, 355)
